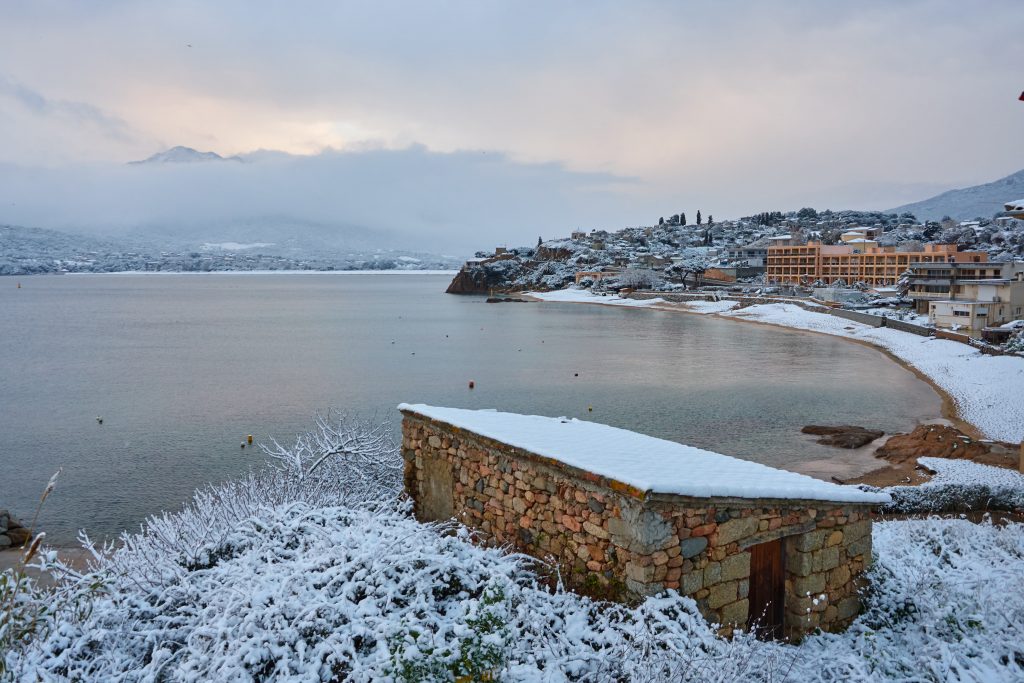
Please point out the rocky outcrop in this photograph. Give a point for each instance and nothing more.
(941, 441)
(468, 281)
(843, 436)
(13, 534)
(483, 277)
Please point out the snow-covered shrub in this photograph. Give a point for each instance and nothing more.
(959, 486)
(639, 278)
(1015, 344)
(943, 600)
(341, 593)
(317, 581)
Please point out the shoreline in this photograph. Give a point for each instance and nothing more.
(952, 405)
(245, 272)
(948, 410)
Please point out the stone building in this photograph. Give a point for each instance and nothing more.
(626, 515)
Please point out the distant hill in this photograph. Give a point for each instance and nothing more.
(183, 155)
(980, 201)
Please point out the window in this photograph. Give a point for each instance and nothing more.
(962, 314)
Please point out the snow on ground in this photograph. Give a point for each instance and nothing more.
(966, 472)
(309, 594)
(709, 306)
(898, 314)
(585, 296)
(313, 570)
(642, 461)
(986, 389)
(942, 606)
(960, 486)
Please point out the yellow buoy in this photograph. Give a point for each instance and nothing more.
(249, 438)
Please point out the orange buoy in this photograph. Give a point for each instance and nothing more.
(472, 384)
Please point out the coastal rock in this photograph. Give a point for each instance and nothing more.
(843, 436)
(5, 518)
(19, 536)
(5, 542)
(505, 300)
(941, 441)
(483, 277)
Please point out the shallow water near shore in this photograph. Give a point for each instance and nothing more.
(181, 368)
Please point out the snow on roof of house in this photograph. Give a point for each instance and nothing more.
(644, 462)
(781, 237)
(1015, 206)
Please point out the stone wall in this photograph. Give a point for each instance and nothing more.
(614, 541)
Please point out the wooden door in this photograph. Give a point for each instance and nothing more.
(767, 590)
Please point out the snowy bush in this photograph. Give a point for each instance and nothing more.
(943, 604)
(314, 570)
(639, 278)
(1016, 343)
(959, 486)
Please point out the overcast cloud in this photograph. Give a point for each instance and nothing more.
(591, 113)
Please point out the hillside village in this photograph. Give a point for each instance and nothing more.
(965, 276)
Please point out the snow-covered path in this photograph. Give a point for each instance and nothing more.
(988, 391)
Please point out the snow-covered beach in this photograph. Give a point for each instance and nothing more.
(977, 384)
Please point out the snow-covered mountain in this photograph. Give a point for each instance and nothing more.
(980, 201)
(183, 155)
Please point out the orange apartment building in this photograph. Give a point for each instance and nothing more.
(873, 265)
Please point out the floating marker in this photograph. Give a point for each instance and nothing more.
(249, 439)
(243, 444)
(575, 374)
(99, 420)
(472, 384)
(590, 409)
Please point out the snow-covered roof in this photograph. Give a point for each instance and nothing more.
(644, 462)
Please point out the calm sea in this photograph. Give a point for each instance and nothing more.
(181, 367)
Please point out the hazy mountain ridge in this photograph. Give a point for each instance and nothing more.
(28, 251)
(978, 201)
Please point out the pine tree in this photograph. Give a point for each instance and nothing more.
(710, 219)
(698, 216)
(682, 218)
(539, 241)
(661, 221)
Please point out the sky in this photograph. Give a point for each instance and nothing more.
(461, 124)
